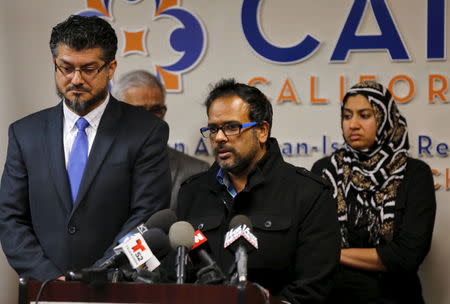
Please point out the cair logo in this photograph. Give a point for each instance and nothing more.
(188, 39)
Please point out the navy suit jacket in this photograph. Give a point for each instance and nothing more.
(125, 181)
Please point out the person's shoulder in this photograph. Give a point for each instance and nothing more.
(187, 160)
(311, 178)
(414, 166)
(200, 178)
(203, 178)
(416, 163)
(137, 118)
(38, 117)
(321, 164)
(136, 112)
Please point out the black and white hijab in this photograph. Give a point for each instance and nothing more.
(372, 176)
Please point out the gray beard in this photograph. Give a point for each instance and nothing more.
(83, 108)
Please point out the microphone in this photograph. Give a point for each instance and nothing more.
(181, 235)
(135, 250)
(160, 246)
(162, 219)
(210, 273)
(240, 240)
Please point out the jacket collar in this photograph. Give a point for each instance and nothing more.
(262, 172)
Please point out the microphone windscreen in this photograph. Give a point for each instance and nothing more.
(162, 219)
(158, 242)
(239, 220)
(181, 234)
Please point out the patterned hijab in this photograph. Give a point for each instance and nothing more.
(372, 176)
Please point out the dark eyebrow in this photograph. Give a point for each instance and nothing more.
(84, 65)
(359, 111)
(226, 123)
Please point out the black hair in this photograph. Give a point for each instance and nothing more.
(260, 106)
(80, 33)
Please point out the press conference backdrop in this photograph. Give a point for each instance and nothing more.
(302, 54)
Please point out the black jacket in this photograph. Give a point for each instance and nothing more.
(293, 216)
(414, 221)
(182, 166)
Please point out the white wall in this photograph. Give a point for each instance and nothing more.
(26, 80)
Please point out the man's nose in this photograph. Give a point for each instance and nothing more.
(77, 78)
(220, 136)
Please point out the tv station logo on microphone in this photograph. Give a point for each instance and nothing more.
(136, 250)
(240, 231)
(187, 40)
(199, 238)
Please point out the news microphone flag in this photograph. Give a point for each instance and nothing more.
(199, 239)
(138, 252)
(240, 231)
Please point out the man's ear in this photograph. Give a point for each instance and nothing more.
(112, 69)
(263, 132)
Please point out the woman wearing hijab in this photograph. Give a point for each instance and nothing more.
(385, 200)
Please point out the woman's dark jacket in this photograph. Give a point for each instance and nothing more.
(414, 221)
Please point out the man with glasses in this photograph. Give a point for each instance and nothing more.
(292, 211)
(82, 174)
(143, 89)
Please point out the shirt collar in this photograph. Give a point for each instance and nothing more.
(223, 179)
(92, 117)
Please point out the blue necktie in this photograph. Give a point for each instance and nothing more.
(78, 157)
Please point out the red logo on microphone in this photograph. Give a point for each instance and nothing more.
(138, 246)
(199, 238)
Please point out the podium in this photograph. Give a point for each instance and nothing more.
(59, 292)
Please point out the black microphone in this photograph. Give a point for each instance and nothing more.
(240, 240)
(161, 219)
(181, 235)
(210, 273)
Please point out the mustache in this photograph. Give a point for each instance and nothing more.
(221, 148)
(77, 88)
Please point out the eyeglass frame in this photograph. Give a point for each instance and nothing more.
(82, 71)
(241, 126)
(157, 109)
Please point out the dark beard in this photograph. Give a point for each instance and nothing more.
(241, 163)
(83, 108)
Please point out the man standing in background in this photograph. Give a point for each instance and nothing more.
(141, 88)
(80, 175)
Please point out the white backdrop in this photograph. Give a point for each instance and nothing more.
(26, 80)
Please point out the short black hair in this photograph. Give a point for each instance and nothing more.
(260, 106)
(81, 33)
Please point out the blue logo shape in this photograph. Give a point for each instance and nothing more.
(280, 55)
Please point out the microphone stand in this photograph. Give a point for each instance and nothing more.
(181, 262)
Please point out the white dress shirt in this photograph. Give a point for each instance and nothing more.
(70, 129)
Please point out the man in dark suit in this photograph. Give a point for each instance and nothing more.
(80, 175)
(141, 88)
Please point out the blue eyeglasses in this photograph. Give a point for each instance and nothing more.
(229, 129)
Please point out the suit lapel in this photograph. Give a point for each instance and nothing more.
(55, 152)
(106, 133)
